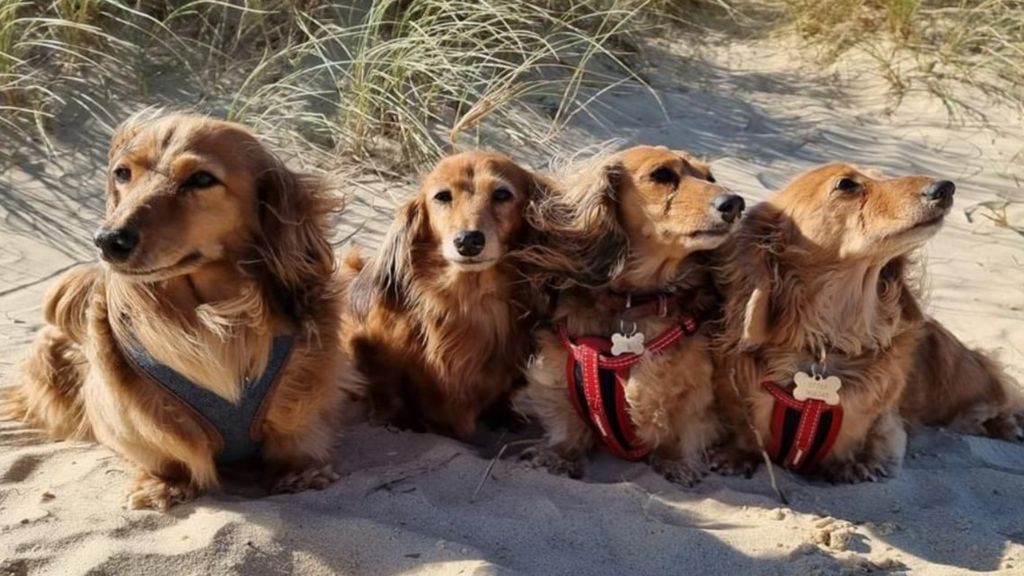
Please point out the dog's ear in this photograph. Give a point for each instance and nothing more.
(541, 188)
(576, 234)
(294, 250)
(752, 268)
(594, 195)
(593, 199)
(390, 272)
(544, 208)
(540, 254)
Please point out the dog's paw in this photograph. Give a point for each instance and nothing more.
(315, 477)
(855, 471)
(1005, 427)
(729, 461)
(159, 494)
(543, 457)
(683, 472)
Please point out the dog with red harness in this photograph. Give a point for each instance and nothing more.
(625, 364)
(821, 322)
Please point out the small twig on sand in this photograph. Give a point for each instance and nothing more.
(417, 472)
(487, 474)
(771, 468)
(493, 462)
(760, 444)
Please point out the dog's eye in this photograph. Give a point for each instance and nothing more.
(199, 180)
(847, 185)
(664, 175)
(122, 174)
(711, 178)
(444, 196)
(502, 195)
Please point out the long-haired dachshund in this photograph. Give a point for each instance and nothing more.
(439, 321)
(626, 363)
(822, 322)
(210, 333)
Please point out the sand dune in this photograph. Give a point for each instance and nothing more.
(405, 504)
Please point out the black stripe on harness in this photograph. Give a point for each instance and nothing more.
(609, 381)
(790, 426)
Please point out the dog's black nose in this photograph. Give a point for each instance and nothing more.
(940, 192)
(470, 242)
(117, 244)
(730, 206)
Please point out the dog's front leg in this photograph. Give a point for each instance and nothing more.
(161, 490)
(670, 461)
(299, 462)
(562, 458)
(879, 458)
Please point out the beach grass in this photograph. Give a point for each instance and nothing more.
(935, 45)
(400, 82)
(393, 80)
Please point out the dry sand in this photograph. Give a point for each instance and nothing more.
(405, 504)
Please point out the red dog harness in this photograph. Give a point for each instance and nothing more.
(597, 385)
(803, 432)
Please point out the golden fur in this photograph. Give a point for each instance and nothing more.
(221, 266)
(645, 219)
(820, 274)
(953, 386)
(440, 338)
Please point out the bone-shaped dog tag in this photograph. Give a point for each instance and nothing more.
(817, 388)
(622, 344)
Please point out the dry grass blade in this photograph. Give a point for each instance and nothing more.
(760, 444)
(996, 211)
(494, 461)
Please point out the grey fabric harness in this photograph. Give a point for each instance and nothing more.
(236, 423)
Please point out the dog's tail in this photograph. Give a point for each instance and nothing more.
(360, 287)
(48, 393)
(964, 389)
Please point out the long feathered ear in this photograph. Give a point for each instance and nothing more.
(389, 274)
(540, 256)
(751, 269)
(575, 237)
(600, 239)
(295, 254)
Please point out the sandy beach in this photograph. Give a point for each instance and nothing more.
(414, 503)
